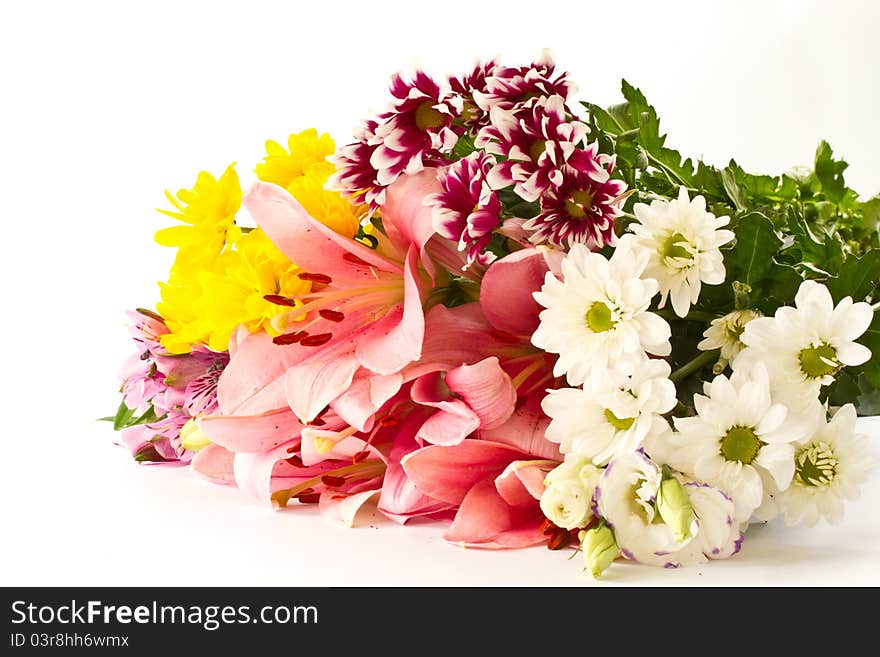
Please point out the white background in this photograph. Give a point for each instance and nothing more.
(105, 105)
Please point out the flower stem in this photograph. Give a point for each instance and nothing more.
(694, 364)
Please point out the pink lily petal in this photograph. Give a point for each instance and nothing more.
(314, 383)
(484, 518)
(396, 340)
(251, 433)
(486, 389)
(522, 482)
(215, 463)
(253, 381)
(454, 420)
(339, 509)
(314, 247)
(525, 430)
(448, 473)
(405, 217)
(261, 474)
(506, 292)
(366, 395)
(456, 336)
(400, 499)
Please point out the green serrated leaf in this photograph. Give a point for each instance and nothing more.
(751, 258)
(858, 277)
(871, 339)
(830, 173)
(734, 192)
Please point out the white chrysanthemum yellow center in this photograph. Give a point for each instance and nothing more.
(599, 318)
(675, 250)
(741, 444)
(819, 361)
(815, 465)
(619, 423)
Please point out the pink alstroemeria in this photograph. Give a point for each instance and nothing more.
(177, 387)
(467, 211)
(534, 143)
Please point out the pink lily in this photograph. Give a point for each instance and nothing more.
(494, 487)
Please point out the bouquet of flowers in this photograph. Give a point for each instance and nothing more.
(523, 315)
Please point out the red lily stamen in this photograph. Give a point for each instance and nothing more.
(296, 461)
(316, 340)
(547, 527)
(290, 338)
(559, 539)
(352, 258)
(332, 482)
(279, 300)
(311, 498)
(388, 421)
(317, 422)
(331, 315)
(314, 278)
(360, 456)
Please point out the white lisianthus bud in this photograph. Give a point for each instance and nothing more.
(599, 548)
(675, 508)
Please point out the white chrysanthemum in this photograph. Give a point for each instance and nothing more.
(738, 430)
(805, 346)
(568, 493)
(828, 469)
(683, 241)
(724, 333)
(612, 414)
(597, 317)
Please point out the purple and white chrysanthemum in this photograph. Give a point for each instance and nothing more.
(582, 208)
(534, 144)
(355, 177)
(474, 83)
(507, 87)
(467, 211)
(417, 128)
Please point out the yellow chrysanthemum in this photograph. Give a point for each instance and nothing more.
(208, 212)
(220, 276)
(208, 309)
(306, 149)
(303, 172)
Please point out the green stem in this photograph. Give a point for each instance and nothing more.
(694, 364)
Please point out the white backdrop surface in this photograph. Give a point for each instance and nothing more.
(107, 104)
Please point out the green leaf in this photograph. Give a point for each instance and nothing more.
(871, 339)
(123, 416)
(731, 186)
(830, 173)
(819, 249)
(464, 146)
(858, 277)
(751, 258)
